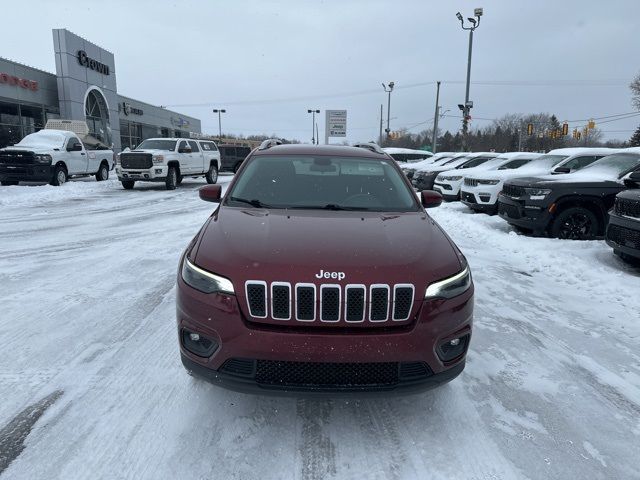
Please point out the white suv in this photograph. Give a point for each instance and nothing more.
(169, 160)
(448, 183)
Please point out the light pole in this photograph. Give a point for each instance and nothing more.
(313, 125)
(388, 89)
(468, 105)
(434, 138)
(219, 112)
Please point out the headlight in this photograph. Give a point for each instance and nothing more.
(118, 159)
(488, 182)
(453, 179)
(204, 281)
(537, 193)
(450, 287)
(158, 158)
(45, 159)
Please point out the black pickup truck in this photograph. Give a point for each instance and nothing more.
(572, 206)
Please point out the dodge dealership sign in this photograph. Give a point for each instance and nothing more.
(19, 82)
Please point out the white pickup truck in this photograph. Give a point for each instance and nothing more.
(53, 156)
(168, 160)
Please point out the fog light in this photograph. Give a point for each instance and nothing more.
(454, 348)
(158, 170)
(198, 344)
(146, 175)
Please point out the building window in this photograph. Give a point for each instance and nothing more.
(10, 130)
(97, 115)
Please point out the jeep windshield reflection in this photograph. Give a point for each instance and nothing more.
(169, 145)
(322, 182)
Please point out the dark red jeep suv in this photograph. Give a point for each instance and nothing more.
(320, 272)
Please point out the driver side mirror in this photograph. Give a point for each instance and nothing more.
(210, 193)
(430, 198)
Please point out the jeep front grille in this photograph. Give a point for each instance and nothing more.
(470, 182)
(306, 302)
(512, 190)
(138, 161)
(628, 208)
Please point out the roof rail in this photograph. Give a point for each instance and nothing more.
(374, 147)
(270, 142)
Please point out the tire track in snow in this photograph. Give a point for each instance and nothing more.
(316, 451)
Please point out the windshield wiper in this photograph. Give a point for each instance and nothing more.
(253, 203)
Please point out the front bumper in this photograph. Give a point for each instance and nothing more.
(218, 317)
(157, 173)
(531, 215)
(450, 190)
(480, 201)
(623, 235)
(26, 173)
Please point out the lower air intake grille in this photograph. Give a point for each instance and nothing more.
(242, 367)
(270, 372)
(409, 370)
(624, 236)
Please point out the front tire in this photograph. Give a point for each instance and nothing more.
(103, 173)
(60, 176)
(172, 179)
(212, 174)
(128, 184)
(575, 223)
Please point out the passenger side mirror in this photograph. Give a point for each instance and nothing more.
(75, 147)
(633, 180)
(562, 170)
(430, 198)
(210, 193)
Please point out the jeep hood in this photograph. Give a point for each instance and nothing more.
(293, 246)
(579, 179)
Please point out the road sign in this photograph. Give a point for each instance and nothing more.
(335, 124)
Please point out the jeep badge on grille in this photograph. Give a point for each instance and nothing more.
(323, 274)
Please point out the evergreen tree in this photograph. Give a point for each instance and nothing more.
(635, 139)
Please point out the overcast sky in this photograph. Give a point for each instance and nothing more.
(268, 62)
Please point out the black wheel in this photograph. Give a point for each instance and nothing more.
(6, 183)
(172, 179)
(180, 178)
(212, 174)
(236, 167)
(128, 184)
(576, 223)
(103, 173)
(60, 176)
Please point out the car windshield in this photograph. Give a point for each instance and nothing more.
(157, 145)
(322, 182)
(547, 160)
(474, 162)
(618, 164)
(43, 139)
(517, 163)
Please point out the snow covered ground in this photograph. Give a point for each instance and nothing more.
(91, 385)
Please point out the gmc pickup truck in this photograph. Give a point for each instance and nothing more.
(54, 156)
(168, 160)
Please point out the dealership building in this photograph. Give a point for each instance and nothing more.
(83, 88)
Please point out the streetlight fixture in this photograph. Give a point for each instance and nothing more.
(468, 105)
(219, 112)
(313, 125)
(388, 88)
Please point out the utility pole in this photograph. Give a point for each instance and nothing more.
(468, 104)
(380, 136)
(388, 89)
(219, 112)
(313, 125)
(436, 116)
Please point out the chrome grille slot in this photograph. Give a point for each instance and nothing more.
(379, 303)
(402, 301)
(330, 303)
(281, 301)
(257, 298)
(354, 303)
(305, 302)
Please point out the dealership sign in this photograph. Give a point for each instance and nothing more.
(5, 78)
(128, 109)
(180, 122)
(336, 123)
(89, 62)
